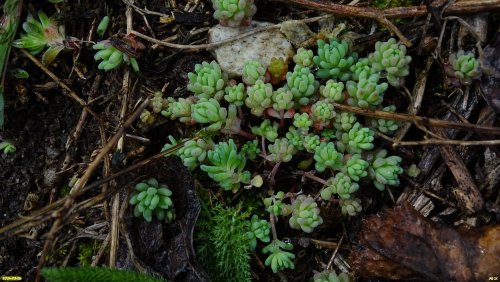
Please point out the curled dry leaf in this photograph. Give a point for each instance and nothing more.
(401, 244)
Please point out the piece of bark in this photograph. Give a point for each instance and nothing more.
(401, 244)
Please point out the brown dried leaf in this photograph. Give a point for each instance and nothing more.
(402, 244)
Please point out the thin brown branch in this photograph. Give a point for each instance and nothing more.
(448, 142)
(419, 120)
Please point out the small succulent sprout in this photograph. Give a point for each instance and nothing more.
(328, 134)
(386, 126)
(295, 138)
(112, 57)
(209, 111)
(302, 84)
(362, 68)
(413, 171)
(194, 152)
(147, 117)
(311, 142)
(342, 185)
(266, 130)
(282, 99)
(385, 170)
(253, 71)
(334, 60)
(366, 92)
(259, 229)
(281, 151)
(40, 33)
(227, 166)
(158, 103)
(331, 276)
(355, 167)
(279, 259)
(7, 147)
(172, 143)
(259, 97)
(275, 206)
(326, 155)
(151, 198)
(302, 122)
(322, 113)
(357, 139)
(462, 68)
(333, 91)
(305, 214)
(103, 26)
(208, 80)
(180, 109)
(234, 13)
(304, 57)
(390, 57)
(344, 121)
(235, 94)
(276, 71)
(350, 207)
(250, 149)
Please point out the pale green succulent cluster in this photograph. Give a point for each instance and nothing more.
(259, 97)
(275, 206)
(259, 229)
(282, 99)
(305, 214)
(111, 57)
(366, 93)
(267, 129)
(194, 152)
(334, 60)
(322, 112)
(253, 71)
(250, 149)
(302, 122)
(350, 207)
(304, 57)
(390, 57)
(234, 12)
(235, 94)
(281, 151)
(385, 170)
(341, 185)
(344, 121)
(462, 68)
(331, 276)
(42, 32)
(326, 155)
(333, 91)
(151, 198)
(209, 111)
(208, 80)
(279, 259)
(302, 84)
(386, 126)
(227, 166)
(358, 139)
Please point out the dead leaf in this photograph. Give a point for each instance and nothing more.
(401, 244)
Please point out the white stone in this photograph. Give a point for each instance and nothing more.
(261, 46)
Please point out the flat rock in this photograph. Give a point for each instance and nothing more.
(261, 46)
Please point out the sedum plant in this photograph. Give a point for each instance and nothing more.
(322, 113)
(250, 149)
(112, 57)
(180, 108)
(208, 80)
(344, 121)
(295, 138)
(259, 229)
(259, 97)
(302, 122)
(304, 57)
(462, 68)
(350, 207)
(267, 130)
(334, 60)
(305, 214)
(302, 84)
(356, 140)
(331, 276)
(341, 184)
(333, 91)
(227, 166)
(366, 92)
(355, 167)
(279, 259)
(209, 111)
(152, 198)
(282, 99)
(194, 152)
(235, 94)
(325, 155)
(281, 151)
(385, 170)
(7, 147)
(275, 206)
(386, 126)
(276, 71)
(362, 67)
(311, 142)
(253, 71)
(42, 32)
(390, 57)
(234, 12)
